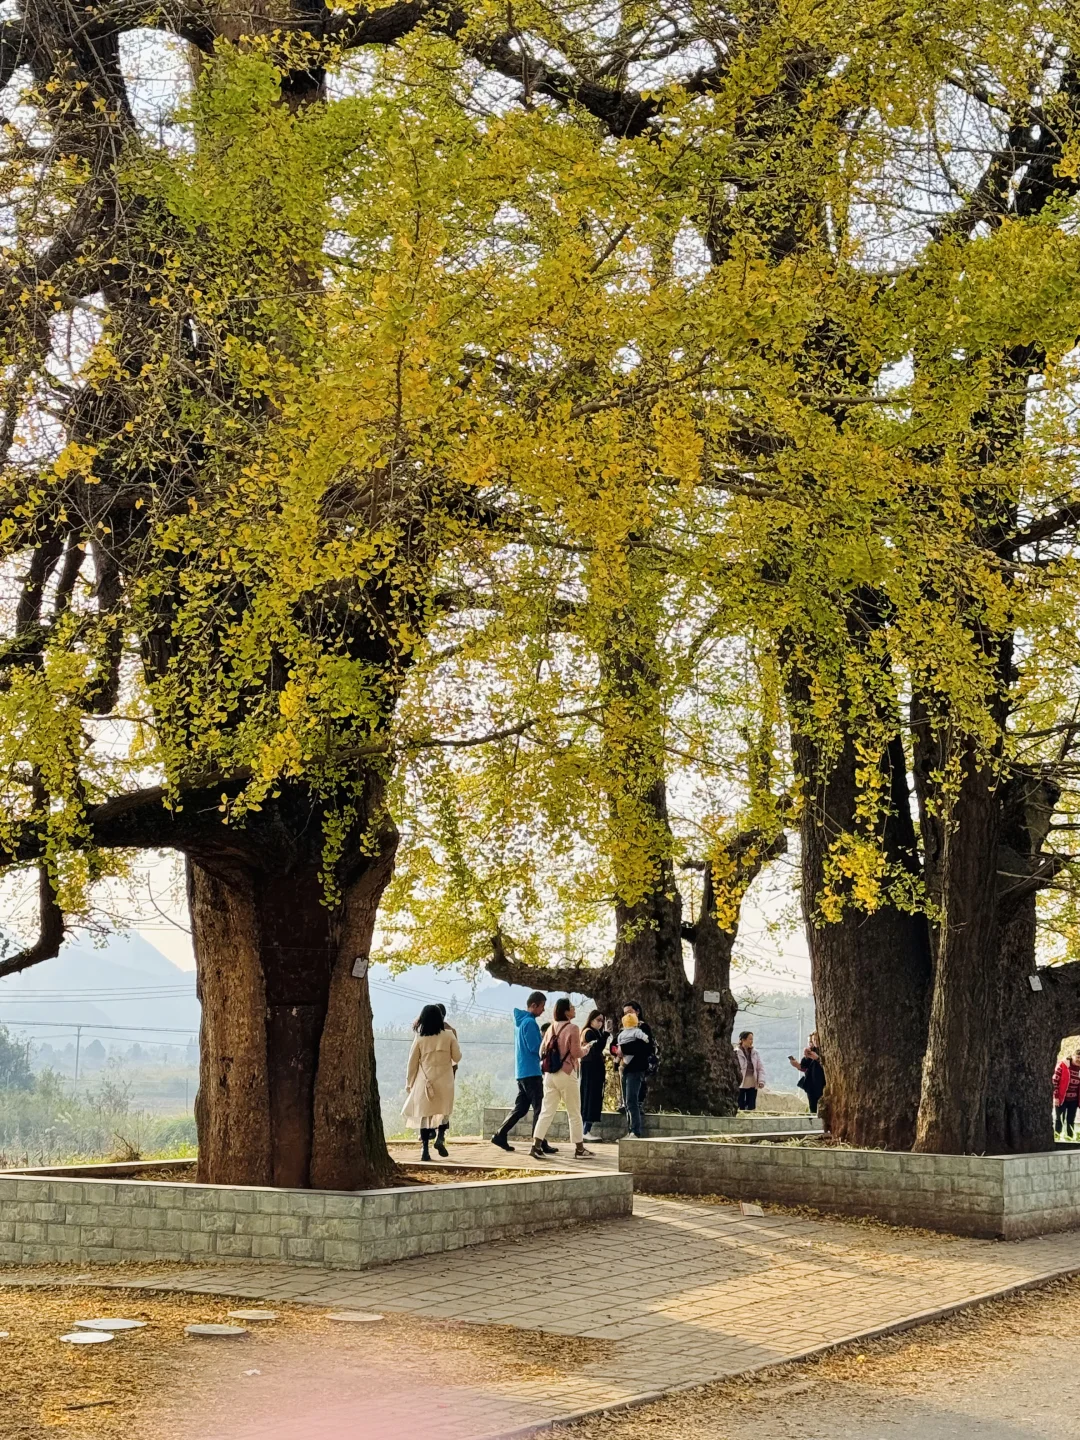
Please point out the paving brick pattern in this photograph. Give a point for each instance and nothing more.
(688, 1292)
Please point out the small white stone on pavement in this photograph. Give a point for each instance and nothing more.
(114, 1326)
(253, 1315)
(215, 1332)
(86, 1337)
(353, 1317)
(252, 1372)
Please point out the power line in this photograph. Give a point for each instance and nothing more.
(91, 991)
(93, 1025)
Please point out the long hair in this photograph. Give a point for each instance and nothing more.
(561, 1007)
(431, 1021)
(588, 1023)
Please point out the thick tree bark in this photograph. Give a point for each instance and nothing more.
(1030, 1023)
(712, 945)
(871, 972)
(287, 1094)
(960, 852)
(712, 948)
(649, 968)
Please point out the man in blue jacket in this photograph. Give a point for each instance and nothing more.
(530, 1077)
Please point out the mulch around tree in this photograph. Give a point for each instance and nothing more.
(418, 1174)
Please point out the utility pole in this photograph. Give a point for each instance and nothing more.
(78, 1047)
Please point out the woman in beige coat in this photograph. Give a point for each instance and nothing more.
(433, 1061)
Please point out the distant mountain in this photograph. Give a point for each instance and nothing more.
(126, 982)
(396, 1000)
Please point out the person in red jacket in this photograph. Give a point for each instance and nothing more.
(1067, 1093)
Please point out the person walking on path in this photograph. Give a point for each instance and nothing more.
(433, 1060)
(594, 1042)
(751, 1071)
(635, 1046)
(813, 1073)
(530, 1077)
(560, 1056)
(1067, 1093)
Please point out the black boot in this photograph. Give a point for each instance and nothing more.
(440, 1139)
(425, 1136)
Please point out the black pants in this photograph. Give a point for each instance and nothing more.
(1066, 1115)
(748, 1099)
(530, 1094)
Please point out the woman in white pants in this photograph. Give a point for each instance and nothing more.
(560, 1057)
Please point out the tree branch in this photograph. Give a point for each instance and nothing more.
(50, 930)
(573, 979)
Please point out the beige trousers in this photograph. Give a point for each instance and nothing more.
(564, 1089)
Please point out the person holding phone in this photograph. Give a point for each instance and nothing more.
(813, 1072)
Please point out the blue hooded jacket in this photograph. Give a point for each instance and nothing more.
(527, 1045)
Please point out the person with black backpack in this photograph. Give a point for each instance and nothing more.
(560, 1060)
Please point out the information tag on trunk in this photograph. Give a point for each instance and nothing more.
(1035, 982)
(360, 966)
(711, 997)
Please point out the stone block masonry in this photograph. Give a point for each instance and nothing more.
(53, 1220)
(1005, 1197)
(612, 1126)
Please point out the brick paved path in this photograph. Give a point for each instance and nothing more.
(688, 1293)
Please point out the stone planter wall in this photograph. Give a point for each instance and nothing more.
(1002, 1197)
(53, 1220)
(612, 1126)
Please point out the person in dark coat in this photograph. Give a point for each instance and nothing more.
(813, 1073)
(594, 1043)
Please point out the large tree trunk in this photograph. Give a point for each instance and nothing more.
(871, 972)
(1030, 1024)
(960, 850)
(287, 1093)
(1024, 1045)
(712, 945)
(712, 948)
(648, 968)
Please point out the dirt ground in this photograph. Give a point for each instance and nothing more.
(1007, 1370)
(159, 1384)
